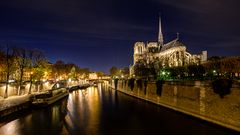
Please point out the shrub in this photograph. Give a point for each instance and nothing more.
(131, 83)
(222, 87)
(116, 83)
(139, 84)
(145, 86)
(159, 84)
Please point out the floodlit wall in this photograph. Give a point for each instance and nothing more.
(196, 98)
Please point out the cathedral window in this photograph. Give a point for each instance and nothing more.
(177, 55)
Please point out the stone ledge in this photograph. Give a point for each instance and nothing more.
(14, 109)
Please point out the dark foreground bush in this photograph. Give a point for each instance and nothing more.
(222, 87)
(139, 84)
(159, 85)
(131, 83)
(116, 83)
(145, 87)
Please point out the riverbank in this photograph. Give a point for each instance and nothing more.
(194, 98)
(14, 104)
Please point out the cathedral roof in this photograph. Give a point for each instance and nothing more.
(171, 44)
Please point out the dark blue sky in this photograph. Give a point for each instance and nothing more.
(100, 33)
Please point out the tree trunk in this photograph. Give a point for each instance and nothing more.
(30, 87)
(19, 89)
(38, 87)
(6, 91)
(8, 74)
(20, 83)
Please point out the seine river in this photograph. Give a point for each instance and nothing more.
(102, 111)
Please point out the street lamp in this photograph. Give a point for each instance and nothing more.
(163, 72)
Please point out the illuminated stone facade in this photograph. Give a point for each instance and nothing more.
(93, 76)
(159, 55)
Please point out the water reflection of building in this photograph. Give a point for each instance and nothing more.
(158, 55)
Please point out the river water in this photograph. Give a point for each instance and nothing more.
(102, 111)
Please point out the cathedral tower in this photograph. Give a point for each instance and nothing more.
(160, 35)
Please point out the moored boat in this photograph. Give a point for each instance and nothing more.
(84, 86)
(49, 97)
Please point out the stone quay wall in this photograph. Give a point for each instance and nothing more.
(195, 98)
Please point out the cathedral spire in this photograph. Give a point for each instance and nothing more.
(160, 35)
(177, 35)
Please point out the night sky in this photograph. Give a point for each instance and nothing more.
(100, 33)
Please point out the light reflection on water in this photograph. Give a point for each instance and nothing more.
(11, 128)
(101, 111)
(84, 110)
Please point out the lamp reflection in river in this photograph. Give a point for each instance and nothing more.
(55, 115)
(94, 107)
(11, 128)
(202, 101)
(84, 110)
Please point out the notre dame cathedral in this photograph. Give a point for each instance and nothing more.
(160, 55)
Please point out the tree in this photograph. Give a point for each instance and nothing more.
(20, 55)
(9, 67)
(2, 65)
(114, 71)
(58, 68)
(35, 57)
(83, 72)
(196, 70)
(125, 71)
(140, 70)
(100, 74)
(70, 70)
(179, 72)
(40, 69)
(226, 67)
